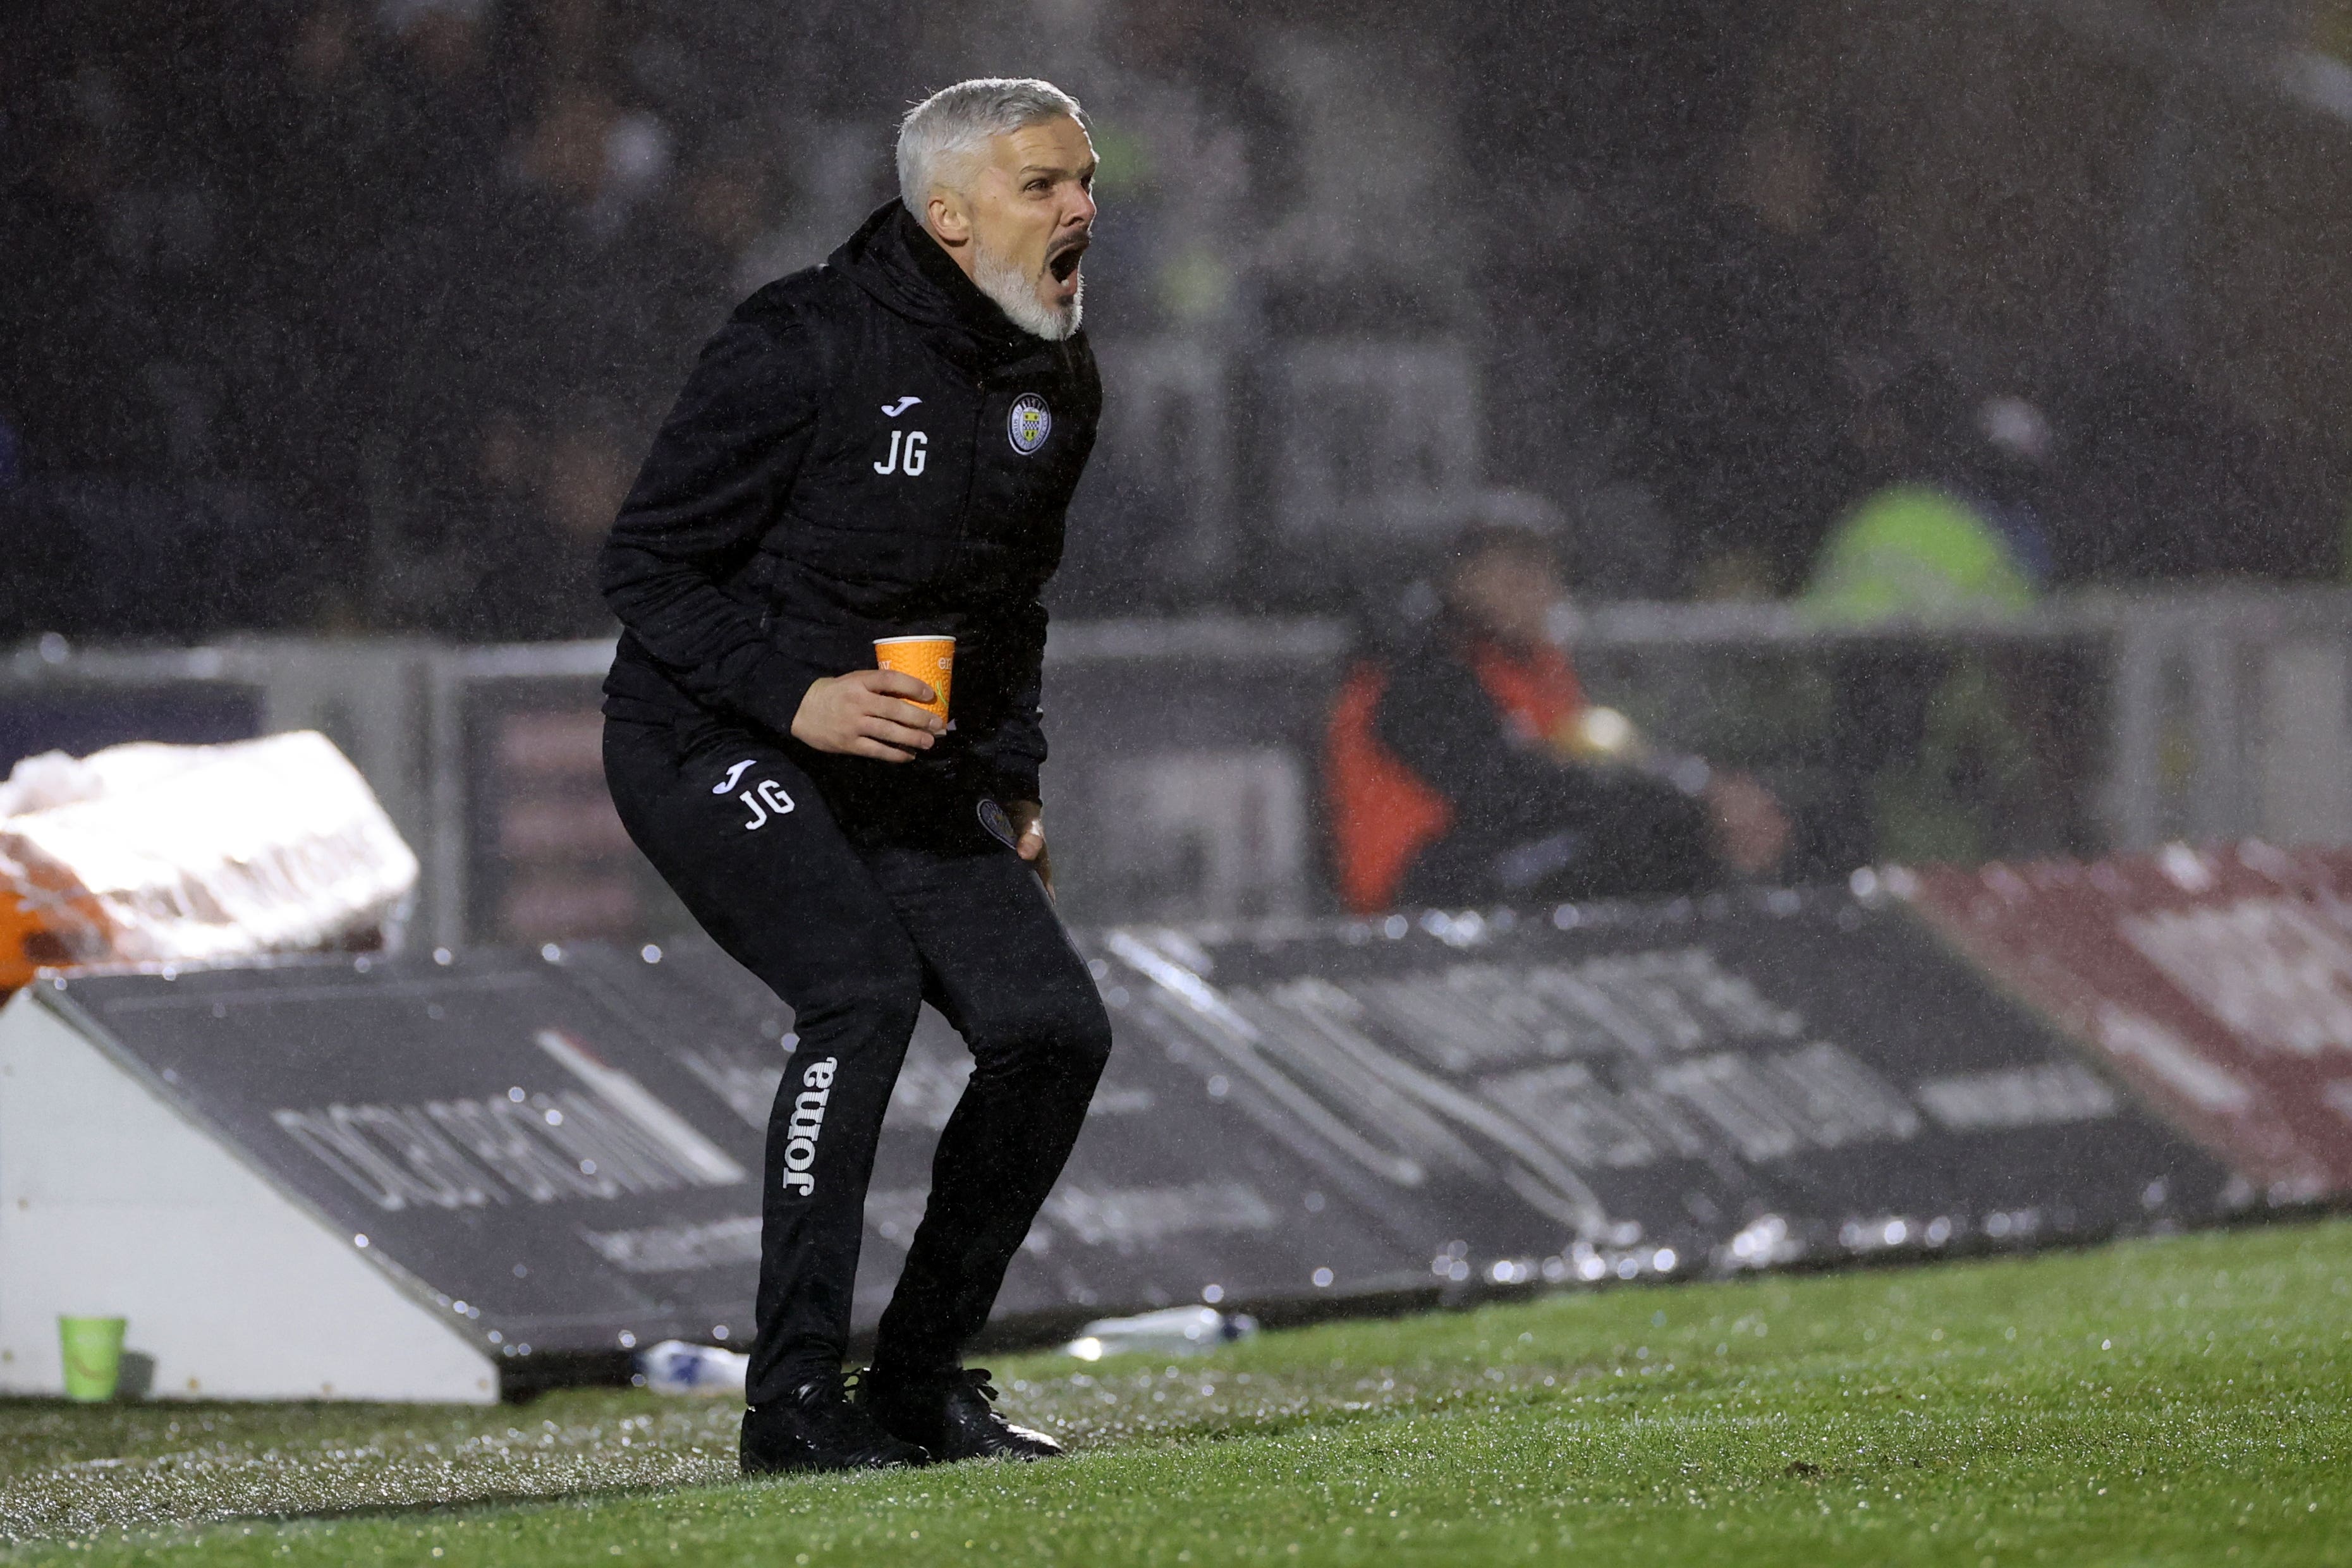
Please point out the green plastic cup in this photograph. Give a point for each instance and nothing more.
(93, 1349)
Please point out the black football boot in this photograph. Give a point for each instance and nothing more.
(948, 1414)
(819, 1427)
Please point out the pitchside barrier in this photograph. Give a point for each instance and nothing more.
(2217, 982)
(399, 1178)
(1184, 775)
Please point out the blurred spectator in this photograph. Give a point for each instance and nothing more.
(1470, 769)
(1927, 544)
(2162, 481)
(591, 161)
(1920, 742)
(88, 263)
(586, 258)
(724, 208)
(1741, 322)
(545, 496)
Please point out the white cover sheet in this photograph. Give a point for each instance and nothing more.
(151, 853)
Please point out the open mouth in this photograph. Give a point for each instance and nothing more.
(1064, 263)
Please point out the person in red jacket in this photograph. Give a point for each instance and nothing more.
(1471, 770)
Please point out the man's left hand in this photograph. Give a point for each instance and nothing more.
(1029, 839)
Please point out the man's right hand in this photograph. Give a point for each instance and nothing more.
(861, 715)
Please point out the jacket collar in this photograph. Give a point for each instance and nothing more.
(893, 258)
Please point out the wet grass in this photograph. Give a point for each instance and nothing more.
(2167, 1402)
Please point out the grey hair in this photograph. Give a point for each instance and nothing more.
(956, 123)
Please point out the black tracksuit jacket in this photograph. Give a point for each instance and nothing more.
(788, 516)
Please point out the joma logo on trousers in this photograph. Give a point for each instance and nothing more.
(808, 1121)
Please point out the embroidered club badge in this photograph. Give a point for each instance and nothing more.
(1029, 423)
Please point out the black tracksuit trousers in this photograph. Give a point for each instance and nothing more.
(856, 910)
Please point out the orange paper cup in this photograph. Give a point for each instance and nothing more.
(930, 660)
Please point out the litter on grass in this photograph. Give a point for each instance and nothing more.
(1172, 1331)
(674, 1367)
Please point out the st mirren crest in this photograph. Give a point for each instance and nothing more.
(1030, 423)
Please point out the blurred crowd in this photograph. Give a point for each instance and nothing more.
(353, 312)
(355, 315)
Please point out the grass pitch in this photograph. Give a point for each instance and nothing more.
(2159, 1402)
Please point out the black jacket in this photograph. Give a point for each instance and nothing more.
(870, 448)
(1635, 833)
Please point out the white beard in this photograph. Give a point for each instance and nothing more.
(1016, 294)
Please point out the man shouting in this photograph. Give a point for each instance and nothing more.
(881, 446)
